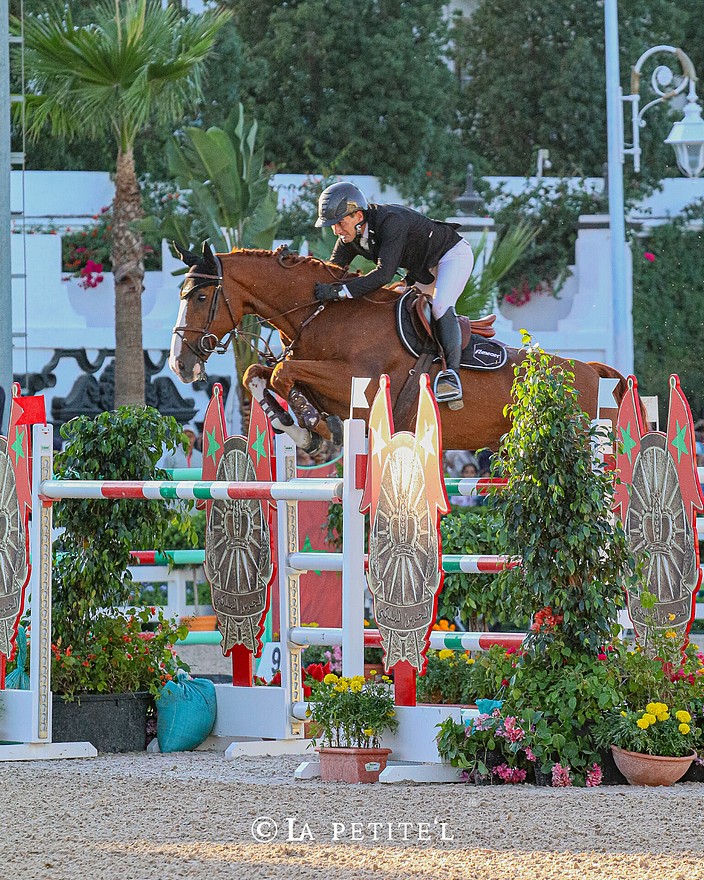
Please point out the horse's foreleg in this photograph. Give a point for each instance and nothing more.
(256, 379)
(286, 380)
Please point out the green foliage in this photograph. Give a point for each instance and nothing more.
(548, 62)
(136, 61)
(572, 688)
(668, 310)
(551, 209)
(361, 88)
(93, 552)
(556, 512)
(447, 679)
(479, 292)
(352, 712)
(478, 599)
(119, 654)
(227, 196)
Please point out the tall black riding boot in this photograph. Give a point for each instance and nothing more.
(448, 388)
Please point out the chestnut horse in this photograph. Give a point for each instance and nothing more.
(325, 347)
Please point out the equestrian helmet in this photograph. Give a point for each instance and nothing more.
(339, 200)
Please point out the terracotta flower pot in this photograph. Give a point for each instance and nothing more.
(352, 765)
(642, 769)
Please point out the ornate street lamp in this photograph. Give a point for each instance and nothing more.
(687, 138)
(687, 135)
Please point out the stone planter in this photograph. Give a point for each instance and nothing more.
(111, 722)
(651, 770)
(352, 765)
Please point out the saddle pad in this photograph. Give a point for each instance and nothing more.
(478, 354)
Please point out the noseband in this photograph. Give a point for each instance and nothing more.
(208, 342)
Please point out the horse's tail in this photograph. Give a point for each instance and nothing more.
(604, 371)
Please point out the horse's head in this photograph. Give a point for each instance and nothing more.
(204, 316)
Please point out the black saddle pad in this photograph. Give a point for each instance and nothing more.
(479, 354)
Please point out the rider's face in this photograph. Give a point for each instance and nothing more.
(347, 227)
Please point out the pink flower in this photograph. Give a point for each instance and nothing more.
(649, 256)
(529, 754)
(510, 730)
(601, 656)
(594, 776)
(561, 777)
(510, 775)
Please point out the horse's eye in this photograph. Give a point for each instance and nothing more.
(202, 297)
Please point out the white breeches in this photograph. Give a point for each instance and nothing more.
(451, 275)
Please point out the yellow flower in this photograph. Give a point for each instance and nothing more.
(670, 616)
(663, 716)
(391, 713)
(662, 707)
(649, 719)
(368, 731)
(446, 654)
(356, 686)
(684, 728)
(652, 708)
(683, 716)
(386, 678)
(670, 634)
(643, 723)
(330, 678)
(624, 713)
(373, 672)
(470, 660)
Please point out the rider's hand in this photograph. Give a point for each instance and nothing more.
(328, 292)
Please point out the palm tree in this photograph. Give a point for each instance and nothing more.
(137, 62)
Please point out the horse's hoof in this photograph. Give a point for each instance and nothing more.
(313, 444)
(334, 424)
(455, 404)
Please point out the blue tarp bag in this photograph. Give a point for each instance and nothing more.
(185, 713)
(18, 678)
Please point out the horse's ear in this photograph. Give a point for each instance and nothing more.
(208, 257)
(185, 255)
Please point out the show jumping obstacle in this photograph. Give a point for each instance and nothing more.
(276, 714)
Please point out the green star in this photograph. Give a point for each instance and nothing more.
(628, 441)
(17, 447)
(212, 444)
(258, 445)
(679, 441)
(308, 548)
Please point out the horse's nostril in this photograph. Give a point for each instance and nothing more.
(179, 364)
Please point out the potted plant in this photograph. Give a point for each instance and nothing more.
(653, 745)
(108, 663)
(352, 714)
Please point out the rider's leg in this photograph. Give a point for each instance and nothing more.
(452, 274)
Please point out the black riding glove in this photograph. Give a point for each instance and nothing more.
(328, 292)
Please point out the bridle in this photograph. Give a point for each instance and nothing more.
(208, 342)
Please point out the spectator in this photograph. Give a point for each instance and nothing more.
(455, 459)
(469, 470)
(184, 459)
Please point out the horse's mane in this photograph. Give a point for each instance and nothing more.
(288, 259)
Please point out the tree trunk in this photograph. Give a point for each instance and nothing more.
(128, 266)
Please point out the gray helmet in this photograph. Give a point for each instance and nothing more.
(339, 200)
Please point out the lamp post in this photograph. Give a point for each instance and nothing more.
(686, 137)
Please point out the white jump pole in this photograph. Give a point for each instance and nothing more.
(353, 579)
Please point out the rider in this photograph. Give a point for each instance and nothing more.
(437, 259)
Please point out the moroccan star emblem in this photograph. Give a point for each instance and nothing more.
(679, 442)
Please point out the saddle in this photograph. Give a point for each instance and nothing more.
(414, 326)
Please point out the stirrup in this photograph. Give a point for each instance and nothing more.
(448, 389)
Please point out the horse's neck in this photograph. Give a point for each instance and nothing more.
(279, 293)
